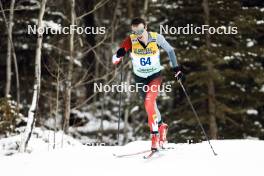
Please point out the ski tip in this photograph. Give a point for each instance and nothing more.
(117, 156)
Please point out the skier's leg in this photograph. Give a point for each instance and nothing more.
(140, 82)
(150, 104)
(163, 128)
(149, 98)
(158, 113)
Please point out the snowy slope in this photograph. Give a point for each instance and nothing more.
(235, 157)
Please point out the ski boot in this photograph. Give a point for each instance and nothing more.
(155, 141)
(163, 128)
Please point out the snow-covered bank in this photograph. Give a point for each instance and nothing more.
(235, 157)
(42, 140)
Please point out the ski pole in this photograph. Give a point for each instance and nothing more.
(120, 101)
(197, 117)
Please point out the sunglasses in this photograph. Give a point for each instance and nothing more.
(138, 32)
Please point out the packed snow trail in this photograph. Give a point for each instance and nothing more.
(235, 157)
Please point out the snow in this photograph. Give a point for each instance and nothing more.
(252, 54)
(52, 25)
(214, 45)
(24, 46)
(172, 6)
(92, 123)
(260, 22)
(235, 157)
(262, 88)
(41, 141)
(250, 43)
(83, 115)
(35, 5)
(95, 125)
(240, 86)
(237, 54)
(196, 39)
(258, 124)
(228, 58)
(252, 112)
(183, 131)
(75, 61)
(49, 24)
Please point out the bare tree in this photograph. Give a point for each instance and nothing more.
(68, 87)
(210, 83)
(33, 108)
(127, 110)
(57, 103)
(9, 50)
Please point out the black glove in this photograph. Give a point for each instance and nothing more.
(178, 73)
(121, 52)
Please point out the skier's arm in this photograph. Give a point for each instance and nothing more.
(161, 41)
(121, 52)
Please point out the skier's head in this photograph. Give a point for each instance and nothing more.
(138, 26)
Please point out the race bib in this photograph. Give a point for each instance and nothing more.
(146, 66)
(145, 61)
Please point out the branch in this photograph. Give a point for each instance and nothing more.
(97, 6)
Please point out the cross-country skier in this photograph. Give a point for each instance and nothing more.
(144, 51)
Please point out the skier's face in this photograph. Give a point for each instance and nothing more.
(138, 29)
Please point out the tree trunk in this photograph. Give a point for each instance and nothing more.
(127, 110)
(89, 60)
(130, 9)
(210, 83)
(57, 104)
(9, 50)
(33, 108)
(211, 103)
(145, 10)
(69, 76)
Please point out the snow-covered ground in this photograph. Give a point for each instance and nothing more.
(42, 140)
(235, 157)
